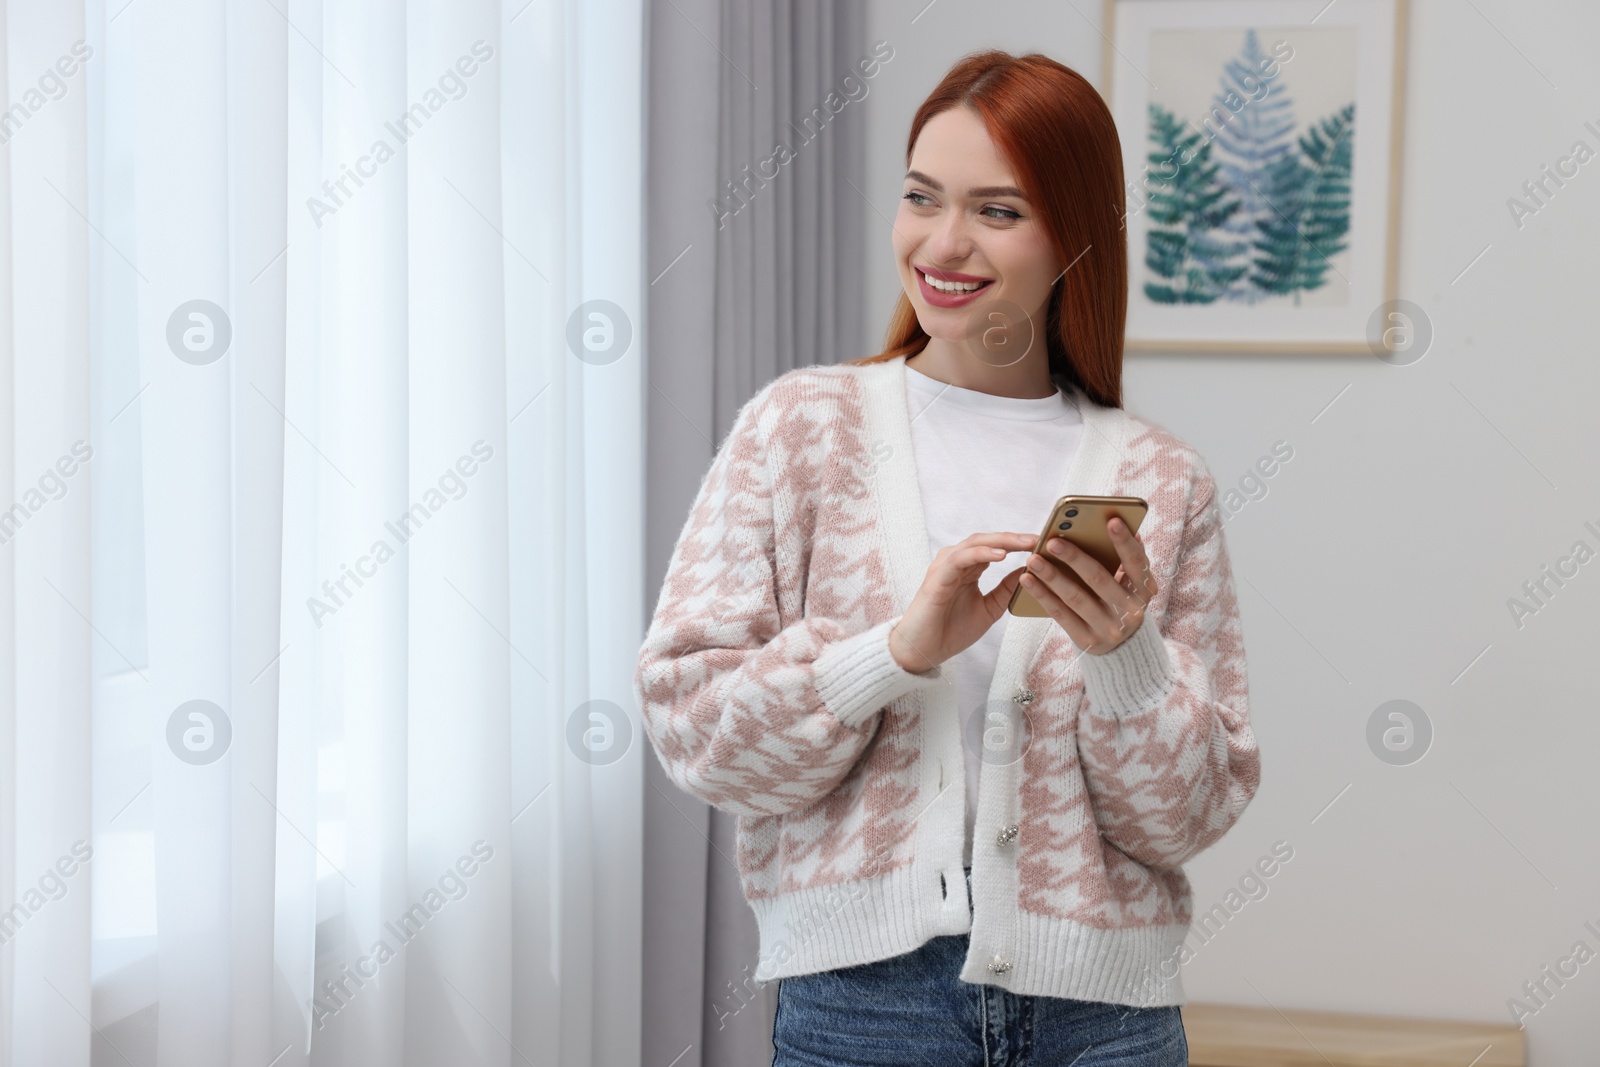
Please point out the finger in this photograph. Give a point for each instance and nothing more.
(998, 597)
(963, 564)
(1135, 571)
(1081, 633)
(1130, 549)
(1084, 605)
(1090, 636)
(1104, 600)
(1008, 540)
(1094, 573)
(978, 556)
(982, 548)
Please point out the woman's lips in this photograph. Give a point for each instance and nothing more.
(942, 299)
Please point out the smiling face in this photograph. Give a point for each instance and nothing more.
(965, 238)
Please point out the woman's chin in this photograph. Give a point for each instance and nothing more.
(944, 335)
(945, 324)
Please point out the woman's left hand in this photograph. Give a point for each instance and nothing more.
(1099, 621)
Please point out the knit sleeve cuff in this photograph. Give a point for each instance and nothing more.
(858, 676)
(1132, 677)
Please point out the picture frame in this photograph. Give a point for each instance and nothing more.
(1307, 258)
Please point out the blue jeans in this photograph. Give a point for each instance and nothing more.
(914, 1009)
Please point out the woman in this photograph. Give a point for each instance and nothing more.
(825, 662)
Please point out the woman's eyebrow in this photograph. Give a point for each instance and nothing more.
(982, 191)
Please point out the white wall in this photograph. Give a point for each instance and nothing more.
(1381, 562)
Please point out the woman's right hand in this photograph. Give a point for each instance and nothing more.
(948, 612)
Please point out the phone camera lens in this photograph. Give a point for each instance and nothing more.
(1064, 526)
(1070, 512)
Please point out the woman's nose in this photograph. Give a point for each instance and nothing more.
(950, 240)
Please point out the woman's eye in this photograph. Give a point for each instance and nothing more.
(916, 198)
(1002, 212)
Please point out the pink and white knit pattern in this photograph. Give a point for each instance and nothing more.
(1147, 773)
(779, 557)
(766, 687)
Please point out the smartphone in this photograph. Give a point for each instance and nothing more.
(1082, 520)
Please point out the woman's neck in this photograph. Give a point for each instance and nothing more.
(956, 364)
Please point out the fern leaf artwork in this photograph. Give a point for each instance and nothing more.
(1311, 194)
(1277, 243)
(1187, 248)
(1254, 118)
(1248, 206)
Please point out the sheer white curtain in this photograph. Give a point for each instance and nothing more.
(320, 581)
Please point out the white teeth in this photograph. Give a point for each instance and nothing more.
(952, 287)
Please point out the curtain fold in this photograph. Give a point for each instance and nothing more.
(754, 271)
(45, 641)
(333, 308)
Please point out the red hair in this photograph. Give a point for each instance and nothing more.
(1059, 138)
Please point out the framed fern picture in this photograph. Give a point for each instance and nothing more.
(1260, 143)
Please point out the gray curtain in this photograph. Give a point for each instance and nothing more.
(754, 262)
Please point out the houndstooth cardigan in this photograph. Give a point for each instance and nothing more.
(767, 689)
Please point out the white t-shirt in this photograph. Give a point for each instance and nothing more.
(985, 463)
